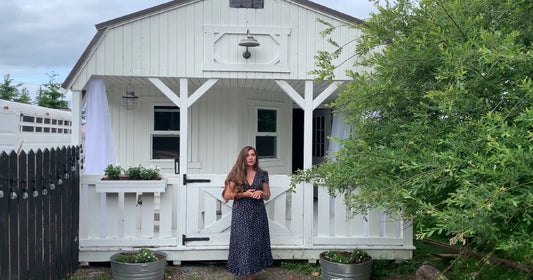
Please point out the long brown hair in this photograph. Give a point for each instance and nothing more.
(237, 174)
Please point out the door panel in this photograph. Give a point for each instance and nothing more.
(209, 217)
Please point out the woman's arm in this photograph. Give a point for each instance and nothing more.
(229, 192)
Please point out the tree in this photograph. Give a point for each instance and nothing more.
(14, 92)
(443, 121)
(51, 97)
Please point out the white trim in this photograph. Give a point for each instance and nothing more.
(278, 63)
(293, 94)
(254, 106)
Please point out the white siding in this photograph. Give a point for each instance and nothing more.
(177, 43)
(220, 126)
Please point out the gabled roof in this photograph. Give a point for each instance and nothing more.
(101, 27)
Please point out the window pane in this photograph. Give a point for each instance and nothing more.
(266, 120)
(266, 146)
(258, 4)
(166, 118)
(164, 147)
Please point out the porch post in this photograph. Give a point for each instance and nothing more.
(76, 118)
(184, 125)
(308, 163)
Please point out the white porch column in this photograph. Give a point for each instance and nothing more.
(308, 125)
(308, 163)
(184, 125)
(76, 118)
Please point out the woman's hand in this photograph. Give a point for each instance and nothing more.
(249, 193)
(257, 194)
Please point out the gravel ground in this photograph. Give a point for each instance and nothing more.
(195, 271)
(209, 271)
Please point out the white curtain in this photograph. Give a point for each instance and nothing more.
(339, 130)
(99, 146)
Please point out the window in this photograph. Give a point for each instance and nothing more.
(166, 133)
(266, 139)
(319, 136)
(255, 4)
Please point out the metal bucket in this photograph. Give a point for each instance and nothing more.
(146, 271)
(338, 271)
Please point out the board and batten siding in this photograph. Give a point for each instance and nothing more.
(178, 42)
(221, 123)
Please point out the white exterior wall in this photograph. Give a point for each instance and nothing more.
(180, 42)
(221, 123)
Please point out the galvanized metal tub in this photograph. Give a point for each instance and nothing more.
(146, 271)
(338, 271)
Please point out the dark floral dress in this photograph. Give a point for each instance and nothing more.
(249, 246)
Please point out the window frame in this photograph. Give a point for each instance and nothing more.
(170, 133)
(275, 134)
(239, 4)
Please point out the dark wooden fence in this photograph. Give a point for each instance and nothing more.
(39, 214)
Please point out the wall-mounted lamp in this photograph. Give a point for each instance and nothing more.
(248, 42)
(129, 100)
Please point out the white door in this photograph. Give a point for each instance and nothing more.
(209, 217)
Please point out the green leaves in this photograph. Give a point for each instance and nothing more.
(443, 123)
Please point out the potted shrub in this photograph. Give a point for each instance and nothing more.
(354, 265)
(141, 264)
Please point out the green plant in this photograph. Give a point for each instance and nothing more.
(116, 172)
(142, 256)
(151, 173)
(302, 267)
(113, 172)
(134, 172)
(355, 256)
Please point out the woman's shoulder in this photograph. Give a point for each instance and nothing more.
(262, 173)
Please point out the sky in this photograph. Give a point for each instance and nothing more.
(48, 37)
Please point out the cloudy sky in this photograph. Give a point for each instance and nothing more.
(39, 37)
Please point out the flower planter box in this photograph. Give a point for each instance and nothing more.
(131, 186)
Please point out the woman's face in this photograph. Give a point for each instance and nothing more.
(251, 158)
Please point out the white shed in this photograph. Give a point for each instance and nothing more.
(200, 100)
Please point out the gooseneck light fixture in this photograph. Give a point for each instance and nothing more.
(248, 42)
(129, 100)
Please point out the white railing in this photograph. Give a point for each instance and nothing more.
(193, 216)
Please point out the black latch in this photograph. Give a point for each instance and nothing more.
(185, 180)
(184, 239)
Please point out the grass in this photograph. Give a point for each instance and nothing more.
(302, 267)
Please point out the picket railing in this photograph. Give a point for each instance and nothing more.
(39, 206)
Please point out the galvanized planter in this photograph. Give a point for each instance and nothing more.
(337, 271)
(146, 271)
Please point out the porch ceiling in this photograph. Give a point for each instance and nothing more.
(195, 83)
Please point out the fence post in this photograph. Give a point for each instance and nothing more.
(23, 214)
(4, 214)
(14, 195)
(47, 259)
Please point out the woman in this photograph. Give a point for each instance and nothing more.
(247, 185)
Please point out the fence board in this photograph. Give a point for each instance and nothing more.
(23, 215)
(4, 218)
(13, 218)
(39, 223)
(47, 256)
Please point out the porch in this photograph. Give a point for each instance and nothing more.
(190, 222)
